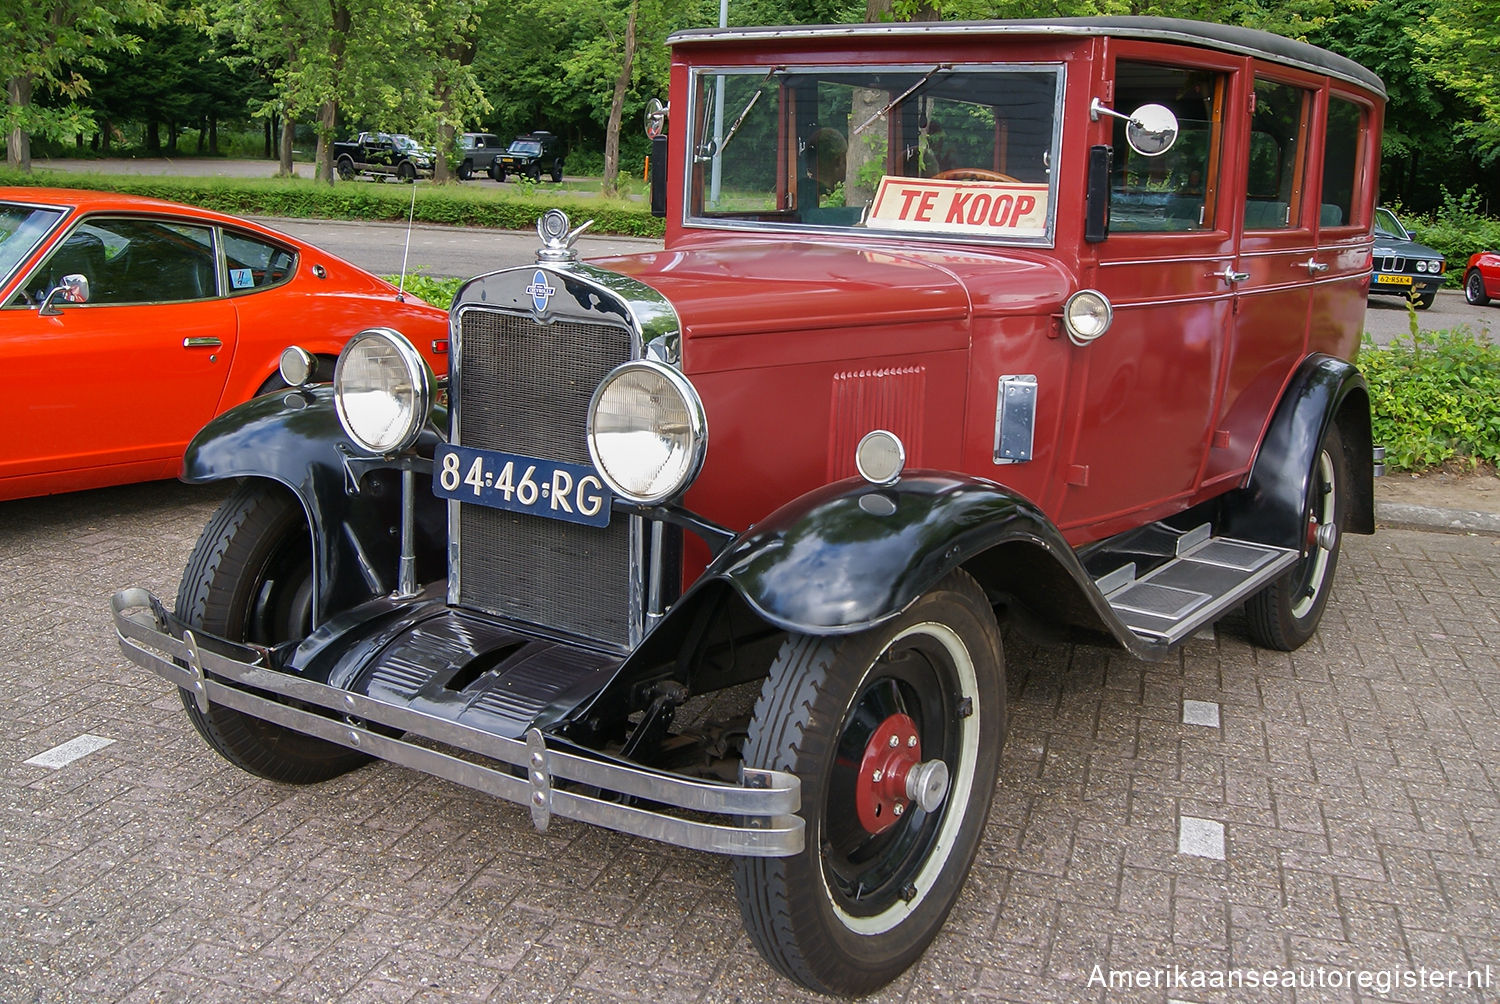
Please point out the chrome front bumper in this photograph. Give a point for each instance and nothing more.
(761, 807)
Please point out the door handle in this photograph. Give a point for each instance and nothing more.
(202, 342)
(1230, 276)
(1315, 267)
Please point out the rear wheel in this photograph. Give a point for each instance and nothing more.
(1285, 614)
(1474, 288)
(250, 579)
(896, 734)
(557, 172)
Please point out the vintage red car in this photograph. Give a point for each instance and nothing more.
(1046, 324)
(128, 323)
(1482, 277)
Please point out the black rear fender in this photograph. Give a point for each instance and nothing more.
(1271, 508)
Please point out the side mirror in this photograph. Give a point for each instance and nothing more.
(1150, 129)
(74, 288)
(656, 118)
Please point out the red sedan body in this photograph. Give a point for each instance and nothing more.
(1482, 278)
(186, 315)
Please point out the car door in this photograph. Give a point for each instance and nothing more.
(129, 376)
(1143, 393)
(1275, 271)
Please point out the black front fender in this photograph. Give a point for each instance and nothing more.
(851, 555)
(352, 501)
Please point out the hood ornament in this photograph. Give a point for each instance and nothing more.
(557, 239)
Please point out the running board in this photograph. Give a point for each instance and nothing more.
(1208, 576)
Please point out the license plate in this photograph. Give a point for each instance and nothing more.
(1393, 280)
(548, 488)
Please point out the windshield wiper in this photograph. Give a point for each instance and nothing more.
(903, 95)
(717, 149)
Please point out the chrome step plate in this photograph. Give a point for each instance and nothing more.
(1209, 576)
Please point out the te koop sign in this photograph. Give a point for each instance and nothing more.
(996, 209)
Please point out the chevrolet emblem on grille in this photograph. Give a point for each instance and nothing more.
(540, 291)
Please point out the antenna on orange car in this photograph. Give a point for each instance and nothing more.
(406, 251)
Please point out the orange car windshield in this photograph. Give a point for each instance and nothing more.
(22, 228)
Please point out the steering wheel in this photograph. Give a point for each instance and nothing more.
(972, 174)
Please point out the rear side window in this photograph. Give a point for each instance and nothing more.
(254, 263)
(1278, 156)
(1341, 153)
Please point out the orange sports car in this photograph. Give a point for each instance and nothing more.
(127, 323)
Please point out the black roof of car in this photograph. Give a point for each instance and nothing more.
(1229, 38)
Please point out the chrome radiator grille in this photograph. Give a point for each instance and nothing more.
(523, 387)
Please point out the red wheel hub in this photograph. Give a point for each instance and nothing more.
(880, 795)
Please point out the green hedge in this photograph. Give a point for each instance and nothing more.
(513, 207)
(1435, 398)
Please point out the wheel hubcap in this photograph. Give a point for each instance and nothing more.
(892, 775)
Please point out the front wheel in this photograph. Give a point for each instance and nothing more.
(1474, 289)
(1423, 300)
(466, 170)
(345, 167)
(1285, 614)
(405, 173)
(895, 733)
(250, 579)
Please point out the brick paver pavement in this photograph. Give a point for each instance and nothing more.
(1352, 788)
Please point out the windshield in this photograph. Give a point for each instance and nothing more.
(525, 146)
(21, 230)
(924, 149)
(406, 143)
(1386, 225)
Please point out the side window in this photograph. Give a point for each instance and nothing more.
(255, 263)
(1278, 156)
(1341, 151)
(1177, 192)
(137, 260)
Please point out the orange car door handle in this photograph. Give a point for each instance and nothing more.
(201, 343)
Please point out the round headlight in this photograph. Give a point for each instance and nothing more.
(382, 389)
(1087, 315)
(647, 431)
(1421, 266)
(1434, 267)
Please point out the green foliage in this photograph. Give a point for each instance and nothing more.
(498, 207)
(48, 46)
(438, 292)
(1458, 229)
(1435, 397)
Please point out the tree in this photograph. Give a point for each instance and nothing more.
(1461, 43)
(449, 46)
(48, 46)
(326, 58)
